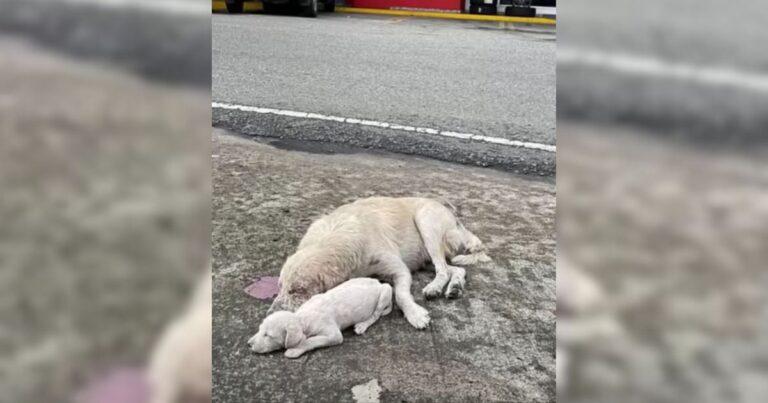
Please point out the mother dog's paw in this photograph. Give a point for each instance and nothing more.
(432, 290)
(418, 317)
(454, 291)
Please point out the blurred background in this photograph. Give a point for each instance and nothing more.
(662, 203)
(105, 178)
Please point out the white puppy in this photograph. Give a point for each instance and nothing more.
(385, 237)
(319, 322)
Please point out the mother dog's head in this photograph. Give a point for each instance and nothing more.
(290, 297)
(302, 276)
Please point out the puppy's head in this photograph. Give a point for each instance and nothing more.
(278, 330)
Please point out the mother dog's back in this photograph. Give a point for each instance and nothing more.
(351, 232)
(384, 217)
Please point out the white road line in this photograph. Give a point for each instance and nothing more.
(659, 68)
(389, 126)
(200, 7)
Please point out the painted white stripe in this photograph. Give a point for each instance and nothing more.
(389, 126)
(659, 68)
(201, 7)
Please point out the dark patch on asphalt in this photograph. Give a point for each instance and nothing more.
(313, 147)
(327, 137)
(323, 148)
(157, 45)
(542, 35)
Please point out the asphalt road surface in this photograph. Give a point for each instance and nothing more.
(482, 79)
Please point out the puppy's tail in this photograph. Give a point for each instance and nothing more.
(470, 259)
(386, 300)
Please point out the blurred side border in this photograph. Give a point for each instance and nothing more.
(154, 42)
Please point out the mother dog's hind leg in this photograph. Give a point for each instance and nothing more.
(394, 267)
(433, 222)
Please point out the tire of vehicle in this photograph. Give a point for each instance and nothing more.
(234, 6)
(310, 10)
(513, 11)
(271, 8)
(482, 9)
(329, 6)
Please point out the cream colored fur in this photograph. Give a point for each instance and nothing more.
(384, 237)
(359, 302)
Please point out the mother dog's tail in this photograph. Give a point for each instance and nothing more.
(470, 259)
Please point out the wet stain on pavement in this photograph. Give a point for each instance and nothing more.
(314, 147)
(263, 288)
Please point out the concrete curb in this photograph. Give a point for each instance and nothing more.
(219, 6)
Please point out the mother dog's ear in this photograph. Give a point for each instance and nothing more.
(294, 335)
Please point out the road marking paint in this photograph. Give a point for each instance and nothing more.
(654, 67)
(389, 126)
(466, 136)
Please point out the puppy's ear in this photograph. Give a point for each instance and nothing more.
(294, 335)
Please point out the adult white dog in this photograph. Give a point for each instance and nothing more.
(384, 237)
(359, 302)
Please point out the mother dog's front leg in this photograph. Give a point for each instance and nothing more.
(456, 285)
(393, 266)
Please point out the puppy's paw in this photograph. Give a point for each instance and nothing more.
(360, 328)
(418, 317)
(455, 290)
(293, 353)
(432, 290)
